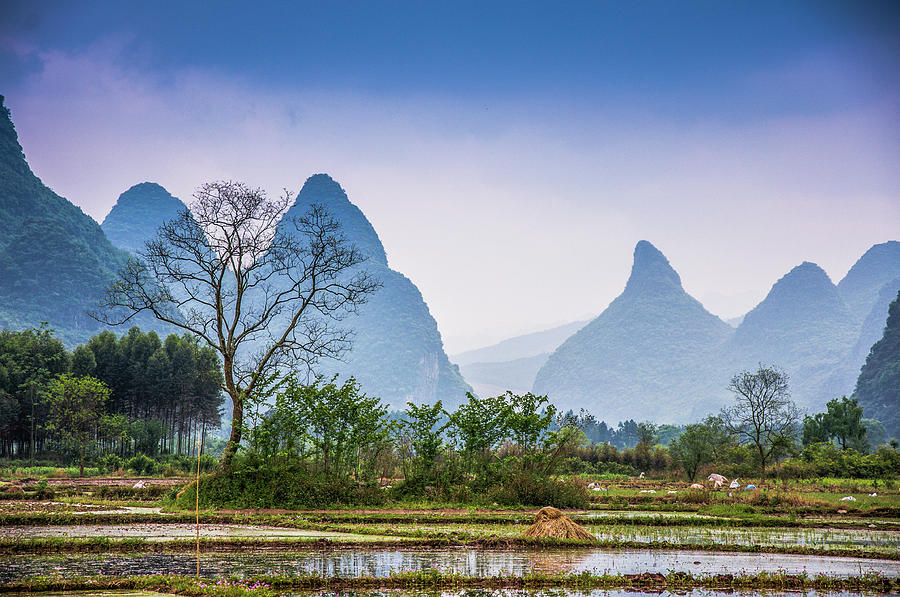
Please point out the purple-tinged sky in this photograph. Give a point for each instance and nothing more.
(509, 154)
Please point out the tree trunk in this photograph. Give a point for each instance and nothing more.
(237, 422)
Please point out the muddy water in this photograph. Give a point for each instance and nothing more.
(381, 562)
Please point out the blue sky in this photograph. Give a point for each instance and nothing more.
(739, 137)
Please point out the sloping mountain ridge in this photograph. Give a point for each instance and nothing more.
(512, 364)
(878, 386)
(651, 354)
(397, 351)
(518, 347)
(137, 215)
(55, 261)
(804, 327)
(878, 266)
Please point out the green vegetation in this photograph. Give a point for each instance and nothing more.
(157, 397)
(878, 387)
(432, 579)
(75, 406)
(54, 259)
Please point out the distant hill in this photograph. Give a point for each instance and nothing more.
(802, 326)
(137, 215)
(517, 347)
(397, 352)
(493, 379)
(878, 386)
(55, 261)
(847, 370)
(513, 363)
(861, 286)
(653, 353)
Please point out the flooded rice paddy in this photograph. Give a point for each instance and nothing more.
(168, 532)
(468, 562)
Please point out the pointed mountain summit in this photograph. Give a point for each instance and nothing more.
(324, 190)
(651, 354)
(397, 352)
(861, 286)
(138, 213)
(651, 273)
(802, 326)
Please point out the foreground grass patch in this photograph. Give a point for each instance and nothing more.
(271, 585)
(64, 545)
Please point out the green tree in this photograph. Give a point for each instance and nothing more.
(75, 407)
(478, 426)
(841, 423)
(29, 361)
(763, 415)
(528, 420)
(694, 448)
(83, 361)
(423, 424)
(345, 428)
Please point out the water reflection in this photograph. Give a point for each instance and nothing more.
(355, 563)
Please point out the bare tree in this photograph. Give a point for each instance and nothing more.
(763, 414)
(263, 291)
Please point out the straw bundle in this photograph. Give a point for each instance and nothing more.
(550, 522)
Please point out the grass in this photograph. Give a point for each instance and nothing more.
(60, 545)
(271, 585)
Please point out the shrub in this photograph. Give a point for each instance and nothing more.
(142, 465)
(528, 489)
(109, 463)
(253, 483)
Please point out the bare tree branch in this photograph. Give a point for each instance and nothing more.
(263, 291)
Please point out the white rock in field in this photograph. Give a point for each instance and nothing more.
(735, 484)
(849, 498)
(139, 485)
(671, 491)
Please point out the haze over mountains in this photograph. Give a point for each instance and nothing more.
(513, 363)
(655, 350)
(652, 351)
(655, 353)
(397, 352)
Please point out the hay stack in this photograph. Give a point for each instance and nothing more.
(550, 522)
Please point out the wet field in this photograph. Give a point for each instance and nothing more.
(468, 562)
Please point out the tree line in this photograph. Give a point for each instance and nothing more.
(146, 395)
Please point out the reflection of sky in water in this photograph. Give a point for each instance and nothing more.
(753, 536)
(351, 563)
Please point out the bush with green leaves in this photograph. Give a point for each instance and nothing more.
(142, 465)
(109, 463)
(256, 482)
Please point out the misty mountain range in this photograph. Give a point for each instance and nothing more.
(654, 353)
